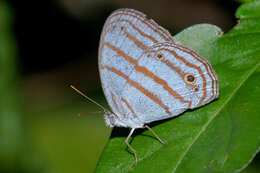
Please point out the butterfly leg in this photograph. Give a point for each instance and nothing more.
(149, 128)
(131, 148)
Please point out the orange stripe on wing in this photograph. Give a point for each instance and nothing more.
(138, 87)
(121, 53)
(163, 33)
(147, 73)
(138, 30)
(208, 67)
(129, 106)
(131, 37)
(192, 66)
(174, 68)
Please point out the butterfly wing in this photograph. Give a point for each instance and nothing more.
(145, 75)
(126, 35)
(167, 80)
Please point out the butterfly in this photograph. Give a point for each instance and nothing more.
(146, 75)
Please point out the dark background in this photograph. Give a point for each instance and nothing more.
(56, 45)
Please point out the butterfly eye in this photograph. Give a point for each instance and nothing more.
(189, 78)
(159, 56)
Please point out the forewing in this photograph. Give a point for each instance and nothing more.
(126, 35)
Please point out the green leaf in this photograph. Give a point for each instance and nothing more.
(222, 136)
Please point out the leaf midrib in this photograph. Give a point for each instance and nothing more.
(215, 115)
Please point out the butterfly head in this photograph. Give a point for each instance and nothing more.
(110, 118)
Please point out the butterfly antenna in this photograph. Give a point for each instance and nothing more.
(81, 93)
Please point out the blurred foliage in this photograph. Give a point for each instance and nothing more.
(68, 142)
(223, 136)
(15, 153)
(42, 140)
(10, 125)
